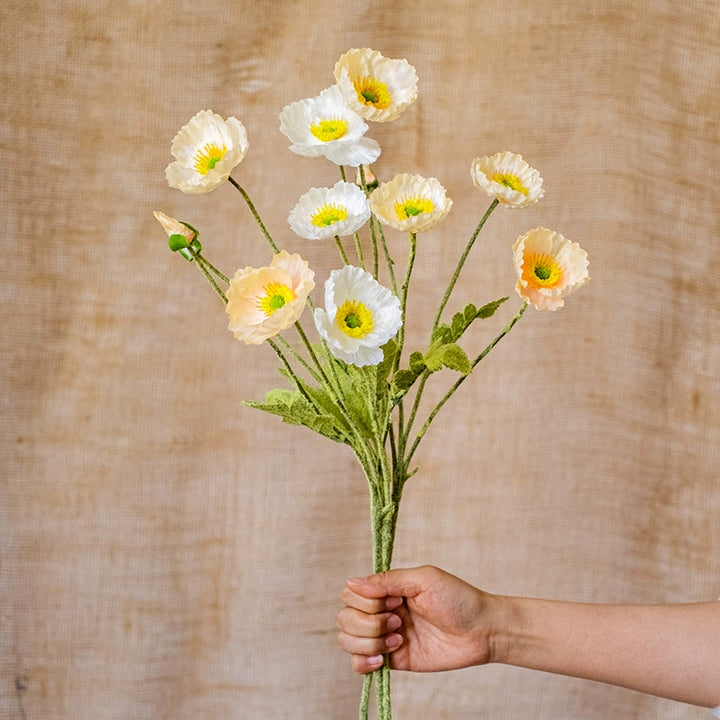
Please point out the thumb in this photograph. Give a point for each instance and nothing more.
(401, 582)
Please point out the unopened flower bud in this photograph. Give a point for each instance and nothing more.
(182, 237)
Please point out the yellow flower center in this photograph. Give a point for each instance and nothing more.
(371, 91)
(328, 215)
(511, 181)
(208, 157)
(410, 207)
(327, 130)
(276, 296)
(354, 319)
(542, 270)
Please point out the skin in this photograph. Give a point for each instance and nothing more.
(429, 620)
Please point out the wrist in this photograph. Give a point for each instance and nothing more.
(506, 630)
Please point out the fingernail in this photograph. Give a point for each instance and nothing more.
(376, 660)
(393, 602)
(393, 622)
(394, 640)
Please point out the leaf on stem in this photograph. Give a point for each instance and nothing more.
(462, 320)
(294, 409)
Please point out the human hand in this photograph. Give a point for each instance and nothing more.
(427, 619)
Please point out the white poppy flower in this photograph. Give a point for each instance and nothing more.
(323, 213)
(360, 316)
(325, 125)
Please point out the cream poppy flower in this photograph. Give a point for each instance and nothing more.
(323, 213)
(410, 202)
(206, 150)
(360, 316)
(325, 125)
(263, 301)
(375, 87)
(508, 178)
(548, 268)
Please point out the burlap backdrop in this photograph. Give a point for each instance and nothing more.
(170, 555)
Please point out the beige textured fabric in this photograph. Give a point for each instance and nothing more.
(167, 554)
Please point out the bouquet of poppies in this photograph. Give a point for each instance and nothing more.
(354, 381)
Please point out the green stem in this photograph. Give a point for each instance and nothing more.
(214, 270)
(413, 413)
(388, 259)
(363, 183)
(200, 262)
(299, 358)
(359, 250)
(341, 250)
(461, 262)
(249, 202)
(365, 696)
(404, 295)
(461, 379)
(291, 372)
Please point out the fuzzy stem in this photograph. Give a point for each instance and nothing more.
(404, 295)
(201, 264)
(363, 184)
(461, 262)
(291, 372)
(461, 379)
(249, 202)
(341, 250)
(359, 250)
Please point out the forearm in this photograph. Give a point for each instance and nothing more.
(672, 651)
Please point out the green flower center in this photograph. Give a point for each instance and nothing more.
(510, 181)
(542, 270)
(352, 321)
(354, 318)
(276, 296)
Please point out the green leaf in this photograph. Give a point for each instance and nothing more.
(383, 369)
(454, 357)
(462, 320)
(417, 362)
(489, 309)
(448, 355)
(294, 409)
(403, 380)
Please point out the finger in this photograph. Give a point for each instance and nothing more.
(360, 624)
(370, 605)
(369, 646)
(364, 664)
(395, 583)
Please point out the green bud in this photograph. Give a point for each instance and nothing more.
(178, 241)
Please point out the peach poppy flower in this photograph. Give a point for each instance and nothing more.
(263, 301)
(549, 267)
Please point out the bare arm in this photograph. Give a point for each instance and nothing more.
(430, 620)
(672, 651)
